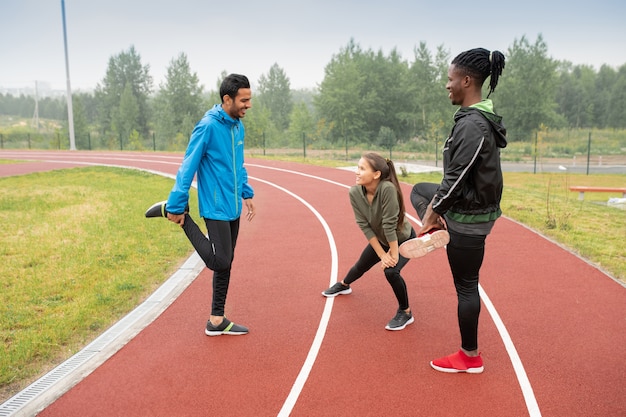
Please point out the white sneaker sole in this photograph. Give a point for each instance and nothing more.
(423, 245)
(220, 333)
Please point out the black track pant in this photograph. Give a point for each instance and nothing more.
(368, 259)
(217, 250)
(465, 256)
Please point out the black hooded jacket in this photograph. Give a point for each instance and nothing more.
(471, 189)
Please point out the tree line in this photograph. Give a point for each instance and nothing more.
(366, 97)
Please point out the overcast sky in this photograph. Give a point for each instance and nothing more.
(248, 36)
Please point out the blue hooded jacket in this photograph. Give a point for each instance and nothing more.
(215, 153)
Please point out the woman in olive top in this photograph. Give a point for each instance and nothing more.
(379, 211)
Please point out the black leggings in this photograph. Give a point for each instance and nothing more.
(465, 256)
(368, 259)
(217, 250)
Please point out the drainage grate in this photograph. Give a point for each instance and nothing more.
(18, 401)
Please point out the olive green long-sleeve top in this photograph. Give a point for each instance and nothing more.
(380, 218)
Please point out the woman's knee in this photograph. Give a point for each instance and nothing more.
(392, 275)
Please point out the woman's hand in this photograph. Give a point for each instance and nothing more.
(388, 260)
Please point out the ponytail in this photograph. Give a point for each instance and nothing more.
(496, 58)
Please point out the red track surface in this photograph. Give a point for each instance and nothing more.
(565, 318)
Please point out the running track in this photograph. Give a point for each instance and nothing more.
(552, 330)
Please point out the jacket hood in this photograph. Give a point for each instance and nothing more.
(485, 107)
(217, 112)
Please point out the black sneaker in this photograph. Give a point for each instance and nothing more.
(159, 209)
(336, 290)
(226, 327)
(400, 321)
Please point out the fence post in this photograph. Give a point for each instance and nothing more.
(1, 141)
(535, 159)
(153, 142)
(89, 139)
(588, 152)
(304, 144)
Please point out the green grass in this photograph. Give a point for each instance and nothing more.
(77, 253)
(589, 228)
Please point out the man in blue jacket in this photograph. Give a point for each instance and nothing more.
(215, 154)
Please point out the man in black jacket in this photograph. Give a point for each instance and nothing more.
(467, 201)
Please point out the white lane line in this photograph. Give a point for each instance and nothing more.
(520, 372)
(48, 388)
(527, 391)
(303, 375)
(522, 378)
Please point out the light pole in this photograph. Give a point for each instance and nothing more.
(70, 113)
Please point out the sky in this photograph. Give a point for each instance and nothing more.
(301, 37)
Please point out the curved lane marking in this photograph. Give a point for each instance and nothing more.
(303, 375)
(524, 382)
(518, 367)
(115, 338)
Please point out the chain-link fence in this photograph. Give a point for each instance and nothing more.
(576, 150)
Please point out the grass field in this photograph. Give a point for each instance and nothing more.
(78, 254)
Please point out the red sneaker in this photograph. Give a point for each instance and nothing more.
(459, 362)
(425, 243)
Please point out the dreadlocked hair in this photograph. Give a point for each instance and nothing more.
(479, 63)
(388, 173)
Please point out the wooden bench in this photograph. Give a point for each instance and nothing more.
(583, 189)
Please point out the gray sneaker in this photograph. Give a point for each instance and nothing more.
(336, 290)
(400, 321)
(226, 327)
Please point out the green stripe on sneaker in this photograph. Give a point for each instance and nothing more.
(230, 326)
